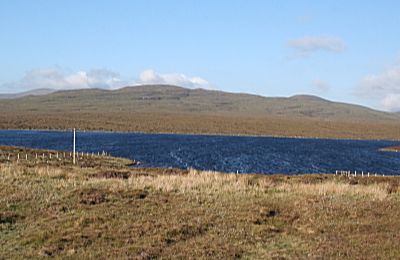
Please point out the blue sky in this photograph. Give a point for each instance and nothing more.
(341, 50)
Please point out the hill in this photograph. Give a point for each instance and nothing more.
(35, 92)
(163, 108)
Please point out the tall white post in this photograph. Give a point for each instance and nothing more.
(73, 160)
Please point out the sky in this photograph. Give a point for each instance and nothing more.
(346, 51)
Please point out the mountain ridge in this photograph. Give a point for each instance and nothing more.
(34, 92)
(181, 99)
(173, 109)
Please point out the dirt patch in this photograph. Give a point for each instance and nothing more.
(68, 244)
(8, 217)
(161, 171)
(92, 197)
(135, 194)
(393, 187)
(353, 182)
(185, 232)
(112, 175)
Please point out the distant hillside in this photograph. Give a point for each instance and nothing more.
(156, 98)
(35, 92)
(163, 108)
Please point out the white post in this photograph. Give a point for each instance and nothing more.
(73, 160)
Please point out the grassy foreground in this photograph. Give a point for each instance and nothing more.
(107, 210)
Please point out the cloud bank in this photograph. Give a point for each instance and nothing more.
(309, 44)
(58, 79)
(383, 88)
(152, 77)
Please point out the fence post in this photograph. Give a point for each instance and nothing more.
(73, 160)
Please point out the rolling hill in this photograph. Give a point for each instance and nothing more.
(35, 92)
(164, 108)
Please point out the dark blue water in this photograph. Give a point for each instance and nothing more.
(223, 153)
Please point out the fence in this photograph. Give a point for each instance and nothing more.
(355, 173)
(47, 157)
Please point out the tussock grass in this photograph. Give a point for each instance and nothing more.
(114, 212)
(207, 182)
(332, 188)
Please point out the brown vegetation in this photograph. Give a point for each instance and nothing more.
(111, 211)
(168, 109)
(391, 149)
(201, 124)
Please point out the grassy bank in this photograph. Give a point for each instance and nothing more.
(109, 210)
(391, 149)
(186, 123)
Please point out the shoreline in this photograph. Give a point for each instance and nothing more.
(198, 134)
(133, 164)
(393, 149)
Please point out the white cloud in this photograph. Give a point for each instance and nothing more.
(306, 45)
(384, 88)
(391, 102)
(178, 79)
(56, 78)
(321, 86)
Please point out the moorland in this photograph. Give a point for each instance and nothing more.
(171, 109)
(102, 208)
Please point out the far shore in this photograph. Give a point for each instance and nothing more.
(203, 134)
(391, 149)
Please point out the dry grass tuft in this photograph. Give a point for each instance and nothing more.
(332, 188)
(206, 182)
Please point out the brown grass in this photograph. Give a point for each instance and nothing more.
(111, 211)
(217, 123)
(170, 109)
(391, 149)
